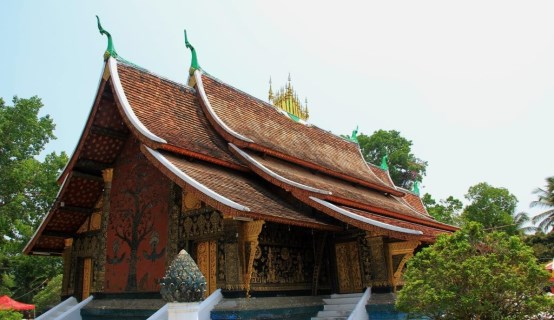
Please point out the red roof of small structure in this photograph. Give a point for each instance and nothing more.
(7, 303)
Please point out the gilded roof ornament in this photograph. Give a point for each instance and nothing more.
(110, 50)
(384, 162)
(287, 100)
(194, 62)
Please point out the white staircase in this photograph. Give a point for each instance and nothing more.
(68, 309)
(338, 306)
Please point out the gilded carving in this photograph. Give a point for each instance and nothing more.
(221, 261)
(248, 243)
(365, 259)
(348, 267)
(204, 222)
(87, 245)
(379, 271)
(399, 254)
(175, 241)
(107, 175)
(190, 202)
(233, 276)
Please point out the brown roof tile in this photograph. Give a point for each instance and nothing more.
(244, 189)
(382, 174)
(415, 202)
(428, 232)
(267, 127)
(339, 188)
(171, 111)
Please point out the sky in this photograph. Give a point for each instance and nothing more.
(470, 83)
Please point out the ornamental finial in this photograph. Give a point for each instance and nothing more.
(354, 136)
(270, 98)
(415, 187)
(110, 50)
(194, 62)
(384, 162)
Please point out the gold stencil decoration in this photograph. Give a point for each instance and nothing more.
(285, 254)
(190, 202)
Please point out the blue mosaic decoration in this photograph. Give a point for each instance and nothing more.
(183, 281)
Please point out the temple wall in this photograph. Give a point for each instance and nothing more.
(85, 245)
(284, 259)
(137, 234)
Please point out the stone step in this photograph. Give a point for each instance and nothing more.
(341, 301)
(339, 307)
(346, 295)
(334, 313)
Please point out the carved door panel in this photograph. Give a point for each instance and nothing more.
(348, 267)
(206, 260)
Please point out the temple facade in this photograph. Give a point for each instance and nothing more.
(264, 204)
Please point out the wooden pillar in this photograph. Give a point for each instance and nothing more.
(398, 254)
(379, 276)
(107, 174)
(68, 243)
(250, 231)
(319, 245)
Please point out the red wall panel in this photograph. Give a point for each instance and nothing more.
(138, 226)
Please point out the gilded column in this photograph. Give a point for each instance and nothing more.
(107, 174)
(250, 232)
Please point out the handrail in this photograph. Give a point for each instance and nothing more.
(202, 312)
(56, 308)
(75, 311)
(359, 312)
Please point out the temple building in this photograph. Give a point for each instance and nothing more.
(264, 203)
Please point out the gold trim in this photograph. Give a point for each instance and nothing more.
(248, 243)
(405, 248)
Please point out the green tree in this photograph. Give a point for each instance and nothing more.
(27, 189)
(404, 167)
(473, 274)
(10, 315)
(50, 295)
(546, 200)
(447, 210)
(542, 244)
(492, 207)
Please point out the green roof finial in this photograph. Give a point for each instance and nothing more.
(384, 162)
(110, 51)
(415, 187)
(194, 63)
(354, 136)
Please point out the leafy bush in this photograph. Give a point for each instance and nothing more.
(475, 275)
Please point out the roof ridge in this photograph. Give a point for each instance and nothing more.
(308, 124)
(409, 191)
(144, 70)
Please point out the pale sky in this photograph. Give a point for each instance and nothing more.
(471, 83)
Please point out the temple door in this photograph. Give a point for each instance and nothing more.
(206, 260)
(83, 279)
(348, 267)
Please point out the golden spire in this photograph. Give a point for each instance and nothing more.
(286, 99)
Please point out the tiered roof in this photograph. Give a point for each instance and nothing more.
(236, 153)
